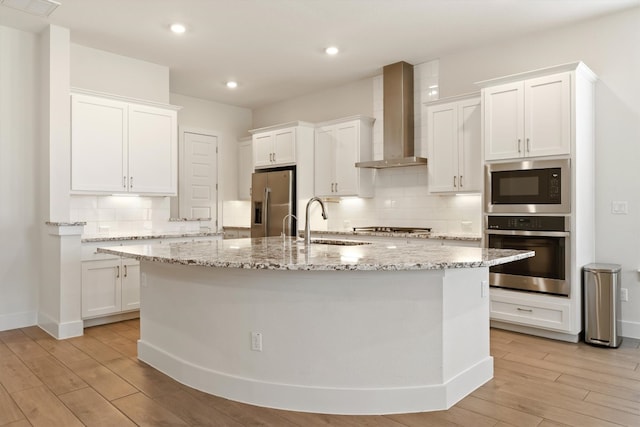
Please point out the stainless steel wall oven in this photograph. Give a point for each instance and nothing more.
(548, 271)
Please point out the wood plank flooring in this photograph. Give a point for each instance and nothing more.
(96, 380)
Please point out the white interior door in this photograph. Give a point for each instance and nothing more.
(199, 176)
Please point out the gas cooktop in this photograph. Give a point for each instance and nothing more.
(378, 229)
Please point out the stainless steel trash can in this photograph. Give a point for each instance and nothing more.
(602, 304)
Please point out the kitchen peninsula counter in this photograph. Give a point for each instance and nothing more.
(277, 253)
(365, 329)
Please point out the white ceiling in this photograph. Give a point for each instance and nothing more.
(274, 48)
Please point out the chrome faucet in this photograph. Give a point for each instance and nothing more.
(307, 230)
(284, 225)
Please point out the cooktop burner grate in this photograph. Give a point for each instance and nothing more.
(379, 229)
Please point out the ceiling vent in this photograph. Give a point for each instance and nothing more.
(34, 7)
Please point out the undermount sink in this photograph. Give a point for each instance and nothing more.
(338, 242)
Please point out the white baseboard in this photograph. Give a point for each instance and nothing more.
(535, 331)
(630, 329)
(111, 319)
(60, 330)
(18, 320)
(320, 399)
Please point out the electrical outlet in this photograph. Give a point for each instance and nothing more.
(624, 294)
(484, 288)
(620, 207)
(256, 341)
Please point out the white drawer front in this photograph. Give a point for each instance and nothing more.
(548, 316)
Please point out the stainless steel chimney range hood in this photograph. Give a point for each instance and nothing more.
(398, 124)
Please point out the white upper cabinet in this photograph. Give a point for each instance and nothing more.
(338, 146)
(119, 146)
(275, 148)
(454, 145)
(528, 118)
(99, 132)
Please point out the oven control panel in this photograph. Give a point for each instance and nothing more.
(528, 223)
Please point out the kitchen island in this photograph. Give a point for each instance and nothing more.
(337, 327)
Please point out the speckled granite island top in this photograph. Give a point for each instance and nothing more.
(112, 237)
(277, 253)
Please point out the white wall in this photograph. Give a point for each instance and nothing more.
(119, 75)
(609, 46)
(20, 216)
(342, 101)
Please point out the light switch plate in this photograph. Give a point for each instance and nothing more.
(620, 207)
(624, 294)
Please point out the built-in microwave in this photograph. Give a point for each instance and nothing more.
(529, 186)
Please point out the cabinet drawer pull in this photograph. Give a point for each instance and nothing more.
(528, 310)
(117, 271)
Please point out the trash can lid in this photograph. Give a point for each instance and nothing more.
(602, 267)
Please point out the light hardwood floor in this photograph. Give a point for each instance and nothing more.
(96, 380)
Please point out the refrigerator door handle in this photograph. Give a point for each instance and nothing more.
(265, 211)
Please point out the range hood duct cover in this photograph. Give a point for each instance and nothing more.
(398, 124)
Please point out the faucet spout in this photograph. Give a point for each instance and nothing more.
(307, 229)
(284, 224)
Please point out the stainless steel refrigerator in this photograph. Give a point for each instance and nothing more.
(272, 199)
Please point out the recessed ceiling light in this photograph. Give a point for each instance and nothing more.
(332, 50)
(178, 28)
(232, 85)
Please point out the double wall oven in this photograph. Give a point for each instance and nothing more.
(528, 206)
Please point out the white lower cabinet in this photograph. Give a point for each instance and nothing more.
(110, 286)
(540, 311)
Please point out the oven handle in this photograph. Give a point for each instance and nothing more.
(528, 233)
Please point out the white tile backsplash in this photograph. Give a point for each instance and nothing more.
(126, 214)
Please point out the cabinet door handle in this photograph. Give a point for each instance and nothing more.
(454, 182)
(336, 187)
(528, 145)
(332, 187)
(130, 182)
(124, 182)
(519, 150)
(125, 271)
(117, 271)
(528, 310)
(274, 157)
(460, 181)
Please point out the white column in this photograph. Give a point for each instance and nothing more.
(59, 310)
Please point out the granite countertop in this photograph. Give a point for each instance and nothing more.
(438, 236)
(278, 253)
(146, 235)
